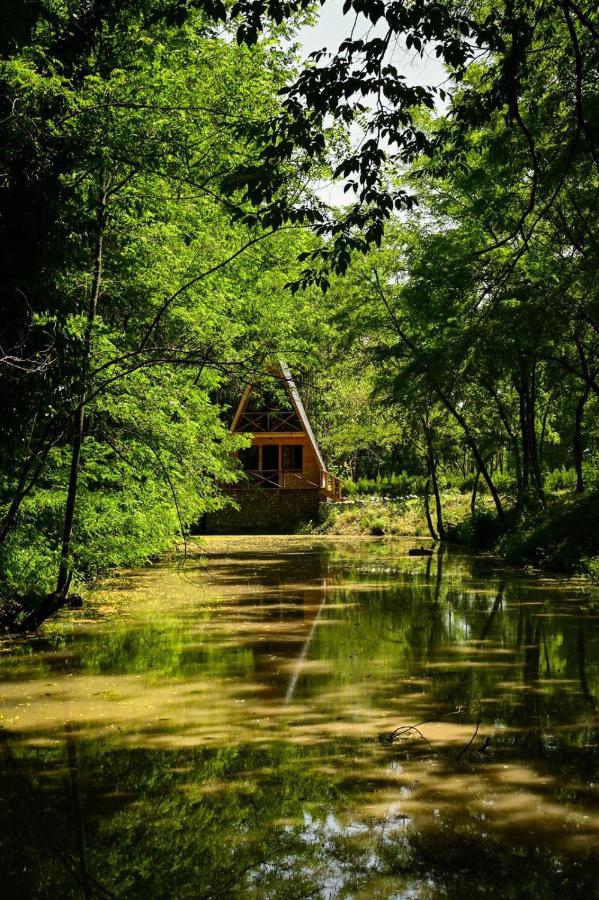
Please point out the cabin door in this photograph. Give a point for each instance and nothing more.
(270, 465)
(292, 458)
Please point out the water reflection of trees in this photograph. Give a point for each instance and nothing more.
(247, 822)
(292, 815)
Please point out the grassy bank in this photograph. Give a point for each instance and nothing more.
(379, 516)
(562, 538)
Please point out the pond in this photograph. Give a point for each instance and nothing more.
(306, 717)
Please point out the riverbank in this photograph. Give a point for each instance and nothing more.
(563, 538)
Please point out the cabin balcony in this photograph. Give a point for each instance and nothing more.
(328, 485)
(274, 421)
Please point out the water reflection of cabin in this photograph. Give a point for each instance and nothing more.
(284, 453)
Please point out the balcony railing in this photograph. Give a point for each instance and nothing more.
(329, 484)
(273, 420)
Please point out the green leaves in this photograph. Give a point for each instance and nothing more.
(191, 289)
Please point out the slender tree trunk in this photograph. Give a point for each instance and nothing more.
(439, 509)
(474, 493)
(64, 572)
(544, 430)
(534, 455)
(531, 472)
(432, 471)
(578, 439)
(513, 439)
(480, 463)
(524, 442)
(30, 472)
(427, 511)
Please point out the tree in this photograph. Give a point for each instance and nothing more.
(497, 59)
(133, 294)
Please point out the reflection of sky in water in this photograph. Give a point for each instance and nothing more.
(234, 717)
(325, 834)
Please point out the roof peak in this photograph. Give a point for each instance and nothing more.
(296, 401)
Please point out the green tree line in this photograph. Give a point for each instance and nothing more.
(132, 296)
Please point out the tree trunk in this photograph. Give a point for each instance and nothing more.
(534, 455)
(474, 493)
(578, 439)
(427, 511)
(432, 470)
(524, 443)
(475, 452)
(64, 571)
(530, 461)
(544, 428)
(513, 439)
(440, 525)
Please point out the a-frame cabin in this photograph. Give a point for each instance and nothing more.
(284, 454)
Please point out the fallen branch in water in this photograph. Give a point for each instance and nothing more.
(471, 741)
(404, 733)
(403, 730)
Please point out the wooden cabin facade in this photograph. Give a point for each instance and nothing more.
(284, 454)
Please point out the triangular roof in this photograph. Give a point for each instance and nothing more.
(296, 401)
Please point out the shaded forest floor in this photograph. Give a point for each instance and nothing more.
(562, 538)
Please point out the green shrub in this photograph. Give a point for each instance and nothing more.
(565, 539)
(459, 483)
(349, 488)
(505, 483)
(480, 530)
(308, 527)
(560, 480)
(394, 486)
(591, 566)
(377, 526)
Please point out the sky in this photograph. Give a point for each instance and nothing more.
(330, 29)
(332, 26)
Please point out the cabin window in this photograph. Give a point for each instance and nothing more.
(292, 457)
(248, 456)
(270, 465)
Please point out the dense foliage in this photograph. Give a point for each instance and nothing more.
(129, 295)
(476, 320)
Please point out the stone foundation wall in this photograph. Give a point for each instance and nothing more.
(265, 512)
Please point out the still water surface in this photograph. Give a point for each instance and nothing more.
(242, 728)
